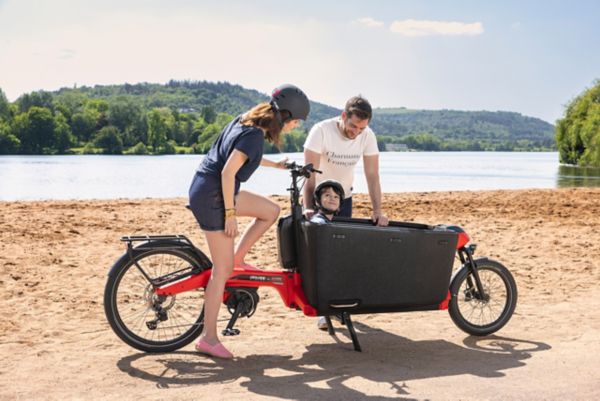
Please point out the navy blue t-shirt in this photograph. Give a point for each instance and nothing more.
(246, 139)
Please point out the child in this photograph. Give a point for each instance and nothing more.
(328, 199)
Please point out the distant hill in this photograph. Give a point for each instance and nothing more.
(459, 130)
(192, 96)
(187, 116)
(496, 128)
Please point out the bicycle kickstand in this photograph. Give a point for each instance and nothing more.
(229, 330)
(346, 319)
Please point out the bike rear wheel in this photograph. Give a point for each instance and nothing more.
(483, 314)
(144, 320)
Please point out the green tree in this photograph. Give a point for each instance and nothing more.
(138, 149)
(35, 130)
(109, 139)
(123, 113)
(4, 107)
(198, 128)
(207, 137)
(9, 144)
(83, 124)
(208, 114)
(422, 141)
(293, 141)
(98, 107)
(578, 132)
(62, 133)
(157, 129)
(223, 119)
(39, 99)
(70, 102)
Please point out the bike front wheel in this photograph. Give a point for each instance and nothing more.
(144, 320)
(482, 314)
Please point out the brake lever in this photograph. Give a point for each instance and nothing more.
(310, 169)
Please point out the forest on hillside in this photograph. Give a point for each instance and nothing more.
(187, 116)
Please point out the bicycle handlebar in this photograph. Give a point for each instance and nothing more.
(304, 171)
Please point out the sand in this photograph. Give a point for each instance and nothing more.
(55, 343)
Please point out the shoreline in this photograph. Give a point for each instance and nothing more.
(278, 196)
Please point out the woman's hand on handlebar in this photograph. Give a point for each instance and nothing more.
(282, 164)
(231, 229)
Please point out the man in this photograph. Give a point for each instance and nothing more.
(335, 146)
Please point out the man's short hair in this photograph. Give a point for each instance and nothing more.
(360, 107)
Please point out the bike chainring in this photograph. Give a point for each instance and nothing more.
(246, 297)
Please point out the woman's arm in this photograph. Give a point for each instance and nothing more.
(269, 163)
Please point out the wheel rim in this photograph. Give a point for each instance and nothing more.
(483, 311)
(149, 318)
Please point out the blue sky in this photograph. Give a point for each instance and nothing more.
(530, 57)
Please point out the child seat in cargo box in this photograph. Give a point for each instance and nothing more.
(360, 268)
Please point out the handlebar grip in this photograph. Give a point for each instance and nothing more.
(309, 167)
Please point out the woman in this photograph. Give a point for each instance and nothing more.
(216, 200)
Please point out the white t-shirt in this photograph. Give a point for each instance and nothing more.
(339, 154)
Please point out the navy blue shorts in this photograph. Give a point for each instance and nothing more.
(206, 202)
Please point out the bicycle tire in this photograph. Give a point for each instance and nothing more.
(128, 291)
(474, 314)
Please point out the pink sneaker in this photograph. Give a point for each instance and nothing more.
(217, 350)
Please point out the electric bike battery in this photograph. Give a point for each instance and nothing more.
(351, 265)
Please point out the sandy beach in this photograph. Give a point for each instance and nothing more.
(55, 343)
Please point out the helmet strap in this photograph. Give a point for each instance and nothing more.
(276, 113)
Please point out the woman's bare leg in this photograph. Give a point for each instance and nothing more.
(221, 252)
(265, 212)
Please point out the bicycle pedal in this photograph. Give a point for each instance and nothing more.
(230, 332)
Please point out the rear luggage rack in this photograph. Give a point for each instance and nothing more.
(169, 241)
(174, 240)
(150, 238)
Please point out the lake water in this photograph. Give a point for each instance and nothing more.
(109, 177)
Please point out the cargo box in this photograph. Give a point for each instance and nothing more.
(286, 239)
(351, 265)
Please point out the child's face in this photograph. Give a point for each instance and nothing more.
(330, 199)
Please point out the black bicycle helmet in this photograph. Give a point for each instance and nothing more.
(291, 98)
(336, 186)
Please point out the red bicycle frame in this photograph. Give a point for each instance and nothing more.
(287, 284)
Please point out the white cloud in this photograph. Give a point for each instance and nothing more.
(369, 22)
(411, 27)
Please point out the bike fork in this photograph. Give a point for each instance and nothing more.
(468, 251)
